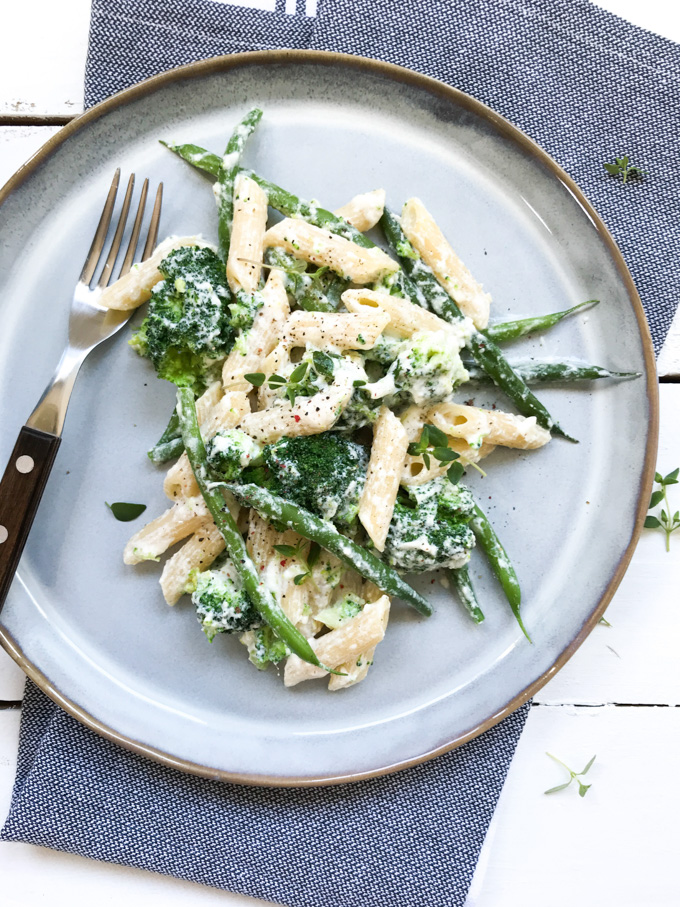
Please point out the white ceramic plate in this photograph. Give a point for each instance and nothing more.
(97, 636)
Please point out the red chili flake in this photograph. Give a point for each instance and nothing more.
(297, 418)
(283, 563)
(432, 582)
(261, 566)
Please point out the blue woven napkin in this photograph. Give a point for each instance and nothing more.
(586, 86)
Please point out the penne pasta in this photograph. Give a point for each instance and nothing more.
(308, 416)
(385, 467)
(358, 635)
(343, 331)
(415, 471)
(321, 247)
(364, 211)
(249, 355)
(425, 236)
(495, 427)
(134, 288)
(196, 554)
(244, 262)
(356, 669)
(154, 539)
(406, 318)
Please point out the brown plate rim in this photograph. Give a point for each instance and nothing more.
(432, 86)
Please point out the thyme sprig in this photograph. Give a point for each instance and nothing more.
(434, 443)
(573, 776)
(664, 520)
(623, 167)
(296, 551)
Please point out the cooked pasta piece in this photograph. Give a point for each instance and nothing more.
(179, 481)
(357, 635)
(365, 210)
(209, 398)
(278, 571)
(321, 247)
(308, 416)
(356, 669)
(424, 234)
(134, 288)
(476, 425)
(385, 467)
(405, 317)
(257, 343)
(247, 233)
(154, 539)
(196, 554)
(415, 471)
(345, 331)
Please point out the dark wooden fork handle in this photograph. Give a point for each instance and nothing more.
(21, 489)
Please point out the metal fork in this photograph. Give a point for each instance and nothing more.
(89, 325)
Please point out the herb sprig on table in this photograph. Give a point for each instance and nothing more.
(664, 520)
(573, 776)
(623, 167)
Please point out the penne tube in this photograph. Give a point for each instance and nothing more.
(244, 262)
(385, 468)
(321, 247)
(415, 471)
(356, 670)
(365, 210)
(476, 425)
(425, 236)
(308, 416)
(406, 318)
(134, 288)
(257, 343)
(344, 331)
(180, 482)
(358, 635)
(175, 524)
(277, 570)
(196, 554)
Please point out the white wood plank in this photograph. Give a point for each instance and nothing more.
(616, 846)
(636, 659)
(42, 65)
(18, 144)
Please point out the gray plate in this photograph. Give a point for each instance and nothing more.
(97, 635)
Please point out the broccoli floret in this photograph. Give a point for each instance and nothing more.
(361, 410)
(222, 605)
(345, 609)
(324, 473)
(385, 350)
(264, 647)
(187, 331)
(230, 451)
(244, 310)
(430, 528)
(427, 368)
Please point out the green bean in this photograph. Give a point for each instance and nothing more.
(229, 167)
(168, 442)
(197, 157)
(500, 563)
(292, 206)
(466, 592)
(264, 602)
(511, 330)
(537, 372)
(485, 352)
(309, 526)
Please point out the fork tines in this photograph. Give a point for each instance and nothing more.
(102, 229)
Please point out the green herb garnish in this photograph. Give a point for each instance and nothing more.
(126, 512)
(623, 167)
(308, 562)
(664, 520)
(434, 443)
(573, 776)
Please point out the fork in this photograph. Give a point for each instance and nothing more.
(26, 475)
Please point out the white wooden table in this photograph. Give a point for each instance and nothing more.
(617, 698)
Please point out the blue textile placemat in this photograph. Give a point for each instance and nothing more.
(586, 86)
(411, 839)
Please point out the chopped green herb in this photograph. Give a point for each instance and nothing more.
(434, 443)
(255, 378)
(126, 512)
